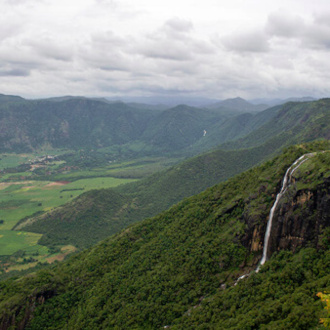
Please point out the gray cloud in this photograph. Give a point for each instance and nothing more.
(9, 30)
(174, 41)
(104, 47)
(283, 25)
(315, 34)
(107, 51)
(167, 50)
(254, 42)
(176, 27)
(51, 49)
(318, 36)
(14, 72)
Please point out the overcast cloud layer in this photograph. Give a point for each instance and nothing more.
(209, 48)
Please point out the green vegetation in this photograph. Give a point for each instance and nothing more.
(179, 268)
(12, 241)
(93, 216)
(96, 215)
(273, 129)
(26, 197)
(293, 123)
(48, 183)
(29, 197)
(80, 123)
(326, 298)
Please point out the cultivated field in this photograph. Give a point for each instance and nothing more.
(29, 185)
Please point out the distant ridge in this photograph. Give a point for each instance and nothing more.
(238, 104)
(273, 102)
(10, 98)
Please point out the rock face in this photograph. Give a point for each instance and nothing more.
(300, 219)
(12, 322)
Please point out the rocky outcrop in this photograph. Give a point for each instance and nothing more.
(301, 219)
(18, 320)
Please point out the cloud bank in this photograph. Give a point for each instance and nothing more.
(210, 49)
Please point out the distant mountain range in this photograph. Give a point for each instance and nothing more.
(79, 122)
(238, 104)
(273, 102)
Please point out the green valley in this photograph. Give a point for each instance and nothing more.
(108, 211)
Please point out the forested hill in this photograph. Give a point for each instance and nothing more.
(292, 123)
(179, 268)
(72, 123)
(82, 123)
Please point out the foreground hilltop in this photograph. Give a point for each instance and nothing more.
(179, 268)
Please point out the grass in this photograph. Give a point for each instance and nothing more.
(21, 199)
(13, 160)
(12, 241)
(10, 160)
(128, 169)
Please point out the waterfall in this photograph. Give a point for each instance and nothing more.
(286, 181)
(285, 184)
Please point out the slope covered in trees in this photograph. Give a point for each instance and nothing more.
(179, 268)
(293, 123)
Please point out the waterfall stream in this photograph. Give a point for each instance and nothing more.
(285, 184)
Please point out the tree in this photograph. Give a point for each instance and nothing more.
(325, 297)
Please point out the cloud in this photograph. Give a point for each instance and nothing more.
(176, 27)
(174, 41)
(285, 25)
(106, 51)
(52, 49)
(252, 42)
(100, 47)
(312, 34)
(14, 72)
(9, 28)
(318, 33)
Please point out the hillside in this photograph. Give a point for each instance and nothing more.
(71, 223)
(10, 98)
(178, 269)
(238, 104)
(79, 122)
(97, 214)
(72, 123)
(293, 123)
(179, 127)
(83, 123)
(233, 128)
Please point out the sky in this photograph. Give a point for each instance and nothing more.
(208, 48)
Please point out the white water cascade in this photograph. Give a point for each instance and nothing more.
(285, 184)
